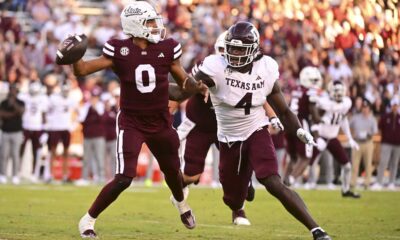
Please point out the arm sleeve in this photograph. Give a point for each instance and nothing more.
(109, 49)
(209, 66)
(273, 68)
(346, 128)
(177, 51)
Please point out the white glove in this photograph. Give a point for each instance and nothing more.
(305, 137)
(321, 144)
(276, 124)
(353, 144)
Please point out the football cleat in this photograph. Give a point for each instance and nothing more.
(321, 235)
(239, 218)
(351, 194)
(187, 217)
(86, 227)
(250, 193)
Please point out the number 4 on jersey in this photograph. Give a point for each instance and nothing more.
(245, 103)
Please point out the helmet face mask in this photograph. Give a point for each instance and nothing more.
(337, 91)
(238, 54)
(241, 44)
(140, 19)
(153, 29)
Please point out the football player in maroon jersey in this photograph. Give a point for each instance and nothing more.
(142, 63)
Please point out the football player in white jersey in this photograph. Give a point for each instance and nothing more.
(335, 109)
(59, 124)
(199, 130)
(240, 82)
(34, 118)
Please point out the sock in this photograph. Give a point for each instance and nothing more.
(346, 177)
(315, 229)
(175, 182)
(108, 194)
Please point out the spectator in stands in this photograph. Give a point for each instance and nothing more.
(389, 125)
(364, 127)
(110, 118)
(11, 111)
(91, 117)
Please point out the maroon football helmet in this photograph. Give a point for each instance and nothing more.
(241, 44)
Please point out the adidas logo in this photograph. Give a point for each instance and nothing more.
(258, 78)
(161, 55)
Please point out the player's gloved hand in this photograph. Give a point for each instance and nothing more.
(44, 138)
(321, 144)
(353, 144)
(305, 137)
(276, 124)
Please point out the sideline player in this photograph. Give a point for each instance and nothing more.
(303, 104)
(142, 63)
(335, 109)
(59, 124)
(34, 118)
(240, 83)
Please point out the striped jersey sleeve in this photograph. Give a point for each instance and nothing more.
(109, 49)
(177, 51)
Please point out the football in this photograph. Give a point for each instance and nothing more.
(72, 49)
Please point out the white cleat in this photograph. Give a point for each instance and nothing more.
(239, 218)
(241, 221)
(331, 186)
(391, 187)
(376, 187)
(15, 180)
(86, 227)
(186, 214)
(310, 186)
(3, 179)
(82, 183)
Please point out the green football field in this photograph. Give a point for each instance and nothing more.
(52, 212)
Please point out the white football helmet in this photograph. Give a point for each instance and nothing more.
(337, 90)
(135, 18)
(310, 77)
(219, 45)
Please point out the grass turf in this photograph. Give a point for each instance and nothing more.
(52, 212)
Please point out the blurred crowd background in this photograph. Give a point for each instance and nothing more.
(356, 41)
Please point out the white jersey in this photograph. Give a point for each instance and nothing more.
(35, 107)
(335, 113)
(238, 98)
(59, 116)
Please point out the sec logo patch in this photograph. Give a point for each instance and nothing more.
(124, 51)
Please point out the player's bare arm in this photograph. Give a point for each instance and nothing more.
(83, 68)
(279, 105)
(187, 82)
(176, 94)
(274, 120)
(288, 118)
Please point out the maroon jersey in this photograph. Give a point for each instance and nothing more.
(201, 113)
(300, 102)
(110, 119)
(144, 78)
(93, 125)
